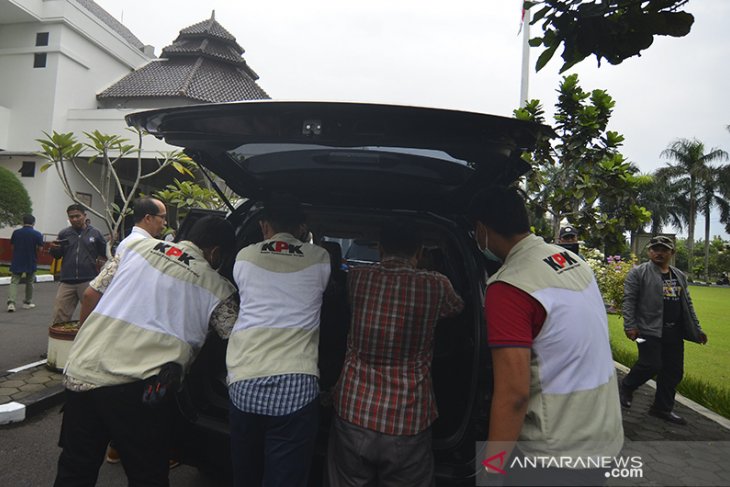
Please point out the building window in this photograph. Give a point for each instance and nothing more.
(28, 169)
(41, 39)
(39, 60)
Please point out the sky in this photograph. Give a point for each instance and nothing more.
(464, 55)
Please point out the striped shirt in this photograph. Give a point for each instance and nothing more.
(385, 384)
(274, 395)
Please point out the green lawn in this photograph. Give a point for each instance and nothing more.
(708, 364)
(5, 271)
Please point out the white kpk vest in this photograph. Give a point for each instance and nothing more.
(574, 408)
(156, 310)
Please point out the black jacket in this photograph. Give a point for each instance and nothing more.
(79, 252)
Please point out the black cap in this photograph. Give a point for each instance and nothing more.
(568, 231)
(661, 240)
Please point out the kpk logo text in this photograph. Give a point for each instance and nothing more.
(280, 247)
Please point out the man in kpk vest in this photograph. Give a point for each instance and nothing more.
(150, 217)
(145, 330)
(555, 384)
(273, 351)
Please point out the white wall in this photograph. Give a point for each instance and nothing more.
(84, 57)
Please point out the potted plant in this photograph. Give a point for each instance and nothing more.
(60, 338)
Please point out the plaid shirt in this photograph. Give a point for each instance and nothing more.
(386, 380)
(275, 395)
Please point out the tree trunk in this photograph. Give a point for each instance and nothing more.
(691, 228)
(707, 243)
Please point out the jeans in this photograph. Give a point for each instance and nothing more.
(273, 451)
(13, 289)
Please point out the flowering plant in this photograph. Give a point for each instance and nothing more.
(610, 274)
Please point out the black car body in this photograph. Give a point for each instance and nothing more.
(352, 165)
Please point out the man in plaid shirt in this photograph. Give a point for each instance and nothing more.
(384, 398)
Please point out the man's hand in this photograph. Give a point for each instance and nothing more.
(703, 338)
(632, 333)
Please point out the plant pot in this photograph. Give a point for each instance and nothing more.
(60, 339)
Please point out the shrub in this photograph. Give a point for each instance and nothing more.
(610, 274)
(14, 199)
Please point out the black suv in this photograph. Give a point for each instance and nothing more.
(352, 165)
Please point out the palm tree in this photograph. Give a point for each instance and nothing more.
(691, 168)
(652, 195)
(710, 195)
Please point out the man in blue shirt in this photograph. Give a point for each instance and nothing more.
(25, 241)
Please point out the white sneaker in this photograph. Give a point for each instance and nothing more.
(28, 305)
(11, 307)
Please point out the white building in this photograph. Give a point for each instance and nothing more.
(69, 66)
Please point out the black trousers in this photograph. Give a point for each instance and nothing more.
(141, 435)
(661, 357)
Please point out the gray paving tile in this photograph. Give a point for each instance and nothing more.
(32, 387)
(38, 379)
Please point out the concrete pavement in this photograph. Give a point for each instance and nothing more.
(26, 385)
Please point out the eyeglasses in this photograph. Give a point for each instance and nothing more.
(161, 215)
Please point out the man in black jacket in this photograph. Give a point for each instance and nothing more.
(80, 245)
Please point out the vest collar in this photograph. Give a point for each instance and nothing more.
(286, 237)
(525, 245)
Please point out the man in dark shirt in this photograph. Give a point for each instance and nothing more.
(659, 315)
(80, 245)
(384, 398)
(25, 241)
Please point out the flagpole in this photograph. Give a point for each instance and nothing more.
(525, 79)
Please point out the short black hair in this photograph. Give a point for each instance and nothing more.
(28, 219)
(501, 209)
(76, 207)
(401, 237)
(144, 206)
(211, 231)
(284, 213)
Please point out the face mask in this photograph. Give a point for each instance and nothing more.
(490, 255)
(485, 249)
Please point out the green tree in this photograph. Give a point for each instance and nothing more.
(690, 172)
(14, 199)
(181, 196)
(653, 191)
(608, 29)
(582, 176)
(68, 155)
